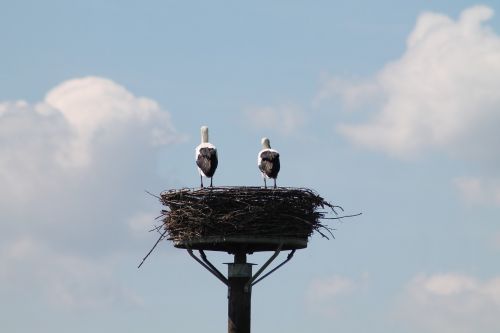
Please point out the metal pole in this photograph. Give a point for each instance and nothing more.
(239, 300)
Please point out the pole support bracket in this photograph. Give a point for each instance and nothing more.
(208, 265)
(290, 255)
(254, 280)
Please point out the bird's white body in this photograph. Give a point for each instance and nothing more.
(268, 161)
(197, 153)
(259, 159)
(206, 157)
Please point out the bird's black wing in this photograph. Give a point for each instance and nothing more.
(207, 161)
(270, 164)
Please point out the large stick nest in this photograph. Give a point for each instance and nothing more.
(244, 211)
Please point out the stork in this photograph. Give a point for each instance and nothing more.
(206, 157)
(268, 161)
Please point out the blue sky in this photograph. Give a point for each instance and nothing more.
(388, 108)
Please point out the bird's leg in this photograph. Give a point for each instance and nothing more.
(201, 180)
(265, 185)
(274, 182)
(211, 181)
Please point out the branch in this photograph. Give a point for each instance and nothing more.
(341, 217)
(162, 236)
(154, 195)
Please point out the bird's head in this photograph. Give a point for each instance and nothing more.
(265, 143)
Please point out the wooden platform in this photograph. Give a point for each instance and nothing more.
(247, 244)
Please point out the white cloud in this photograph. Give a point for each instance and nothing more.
(78, 122)
(450, 303)
(496, 241)
(447, 284)
(329, 287)
(95, 107)
(33, 270)
(354, 93)
(284, 119)
(479, 190)
(441, 94)
(73, 170)
(324, 294)
(31, 137)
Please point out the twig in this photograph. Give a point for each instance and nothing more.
(341, 217)
(154, 246)
(154, 195)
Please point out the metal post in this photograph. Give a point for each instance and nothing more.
(239, 299)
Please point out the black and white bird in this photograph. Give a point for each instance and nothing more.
(268, 161)
(206, 157)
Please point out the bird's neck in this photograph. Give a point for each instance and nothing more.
(204, 137)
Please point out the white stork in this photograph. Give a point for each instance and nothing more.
(268, 161)
(206, 157)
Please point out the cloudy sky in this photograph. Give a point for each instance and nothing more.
(387, 108)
